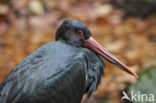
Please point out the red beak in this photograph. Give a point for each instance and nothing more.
(96, 47)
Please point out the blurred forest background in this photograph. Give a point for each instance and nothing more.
(127, 28)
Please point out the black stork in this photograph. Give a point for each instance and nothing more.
(60, 71)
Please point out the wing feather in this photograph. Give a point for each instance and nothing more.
(42, 65)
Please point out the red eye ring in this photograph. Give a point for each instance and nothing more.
(81, 33)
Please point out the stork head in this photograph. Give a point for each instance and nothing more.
(77, 33)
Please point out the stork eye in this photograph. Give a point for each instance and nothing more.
(81, 33)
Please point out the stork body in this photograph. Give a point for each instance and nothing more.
(60, 71)
(57, 72)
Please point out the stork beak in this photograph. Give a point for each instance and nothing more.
(96, 47)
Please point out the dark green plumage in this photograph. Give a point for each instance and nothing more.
(58, 72)
(53, 75)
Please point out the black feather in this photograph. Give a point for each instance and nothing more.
(55, 73)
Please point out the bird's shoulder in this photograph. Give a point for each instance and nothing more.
(49, 60)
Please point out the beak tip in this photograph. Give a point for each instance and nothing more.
(136, 76)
